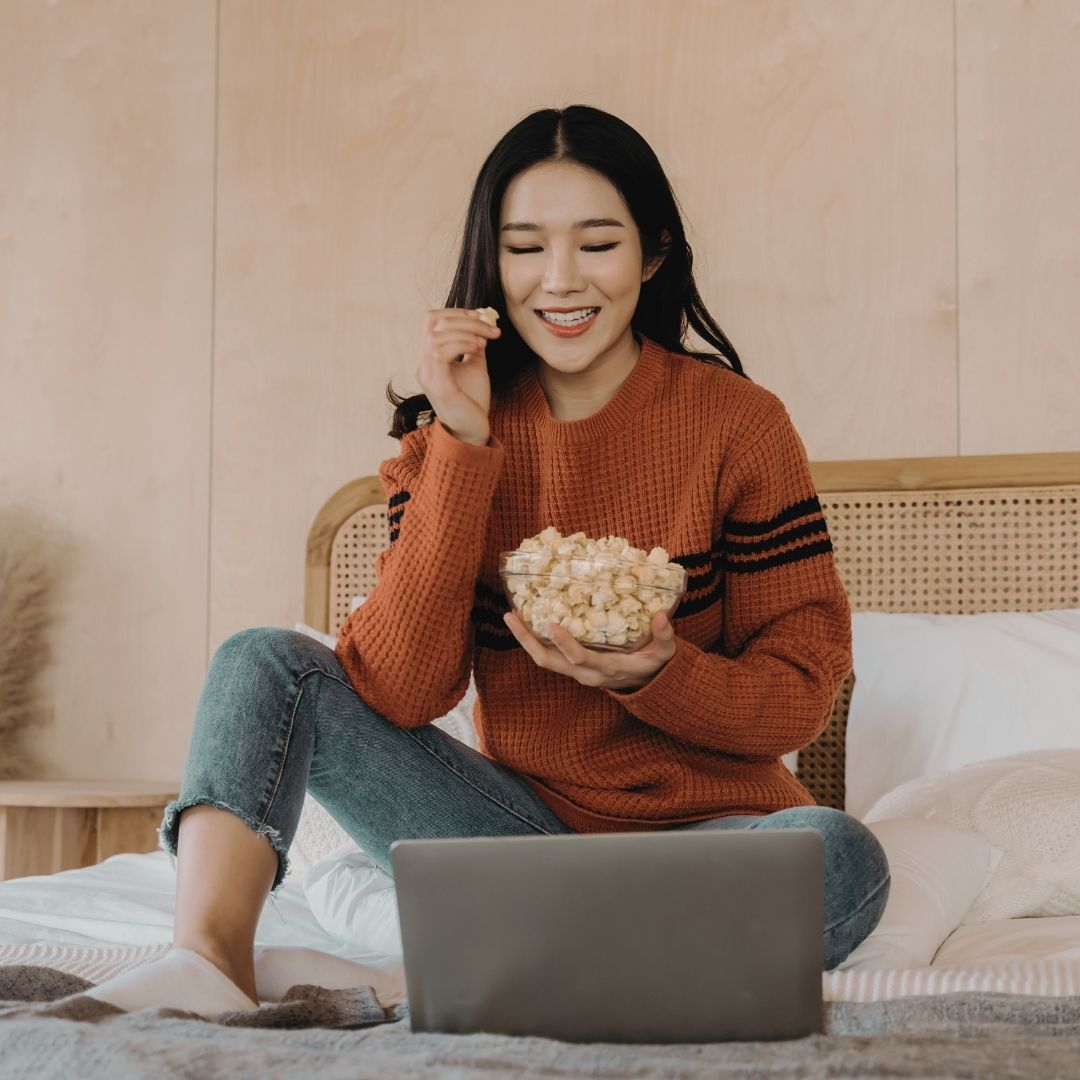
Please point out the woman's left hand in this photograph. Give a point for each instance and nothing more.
(590, 667)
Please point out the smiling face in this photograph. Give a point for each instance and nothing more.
(567, 242)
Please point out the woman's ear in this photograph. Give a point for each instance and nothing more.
(655, 263)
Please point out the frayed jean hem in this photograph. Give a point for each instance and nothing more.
(169, 829)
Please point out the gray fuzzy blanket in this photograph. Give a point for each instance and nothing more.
(46, 1032)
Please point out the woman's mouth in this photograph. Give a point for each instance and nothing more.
(568, 323)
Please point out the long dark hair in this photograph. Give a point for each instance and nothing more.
(669, 300)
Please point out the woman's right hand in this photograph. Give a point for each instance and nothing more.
(453, 371)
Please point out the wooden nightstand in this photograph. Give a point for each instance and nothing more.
(51, 825)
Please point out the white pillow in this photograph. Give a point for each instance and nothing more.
(318, 834)
(354, 901)
(936, 692)
(1028, 806)
(937, 871)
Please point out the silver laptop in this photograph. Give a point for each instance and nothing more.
(651, 937)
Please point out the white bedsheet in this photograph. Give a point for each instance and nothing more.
(128, 900)
(104, 919)
(1006, 940)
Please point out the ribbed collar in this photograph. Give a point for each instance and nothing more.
(622, 412)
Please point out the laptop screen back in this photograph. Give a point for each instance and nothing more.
(686, 936)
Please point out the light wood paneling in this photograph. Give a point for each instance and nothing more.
(199, 345)
(811, 145)
(84, 793)
(1018, 80)
(75, 841)
(106, 281)
(947, 473)
(29, 839)
(64, 824)
(130, 830)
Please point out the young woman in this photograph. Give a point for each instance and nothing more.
(583, 410)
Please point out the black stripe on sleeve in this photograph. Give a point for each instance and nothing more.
(782, 539)
(393, 520)
(714, 593)
(494, 598)
(783, 558)
(500, 640)
(760, 528)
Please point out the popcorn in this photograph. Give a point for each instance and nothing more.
(488, 314)
(603, 592)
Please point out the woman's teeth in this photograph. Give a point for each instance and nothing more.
(569, 318)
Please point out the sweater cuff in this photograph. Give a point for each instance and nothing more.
(450, 446)
(654, 699)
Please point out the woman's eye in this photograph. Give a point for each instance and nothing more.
(592, 247)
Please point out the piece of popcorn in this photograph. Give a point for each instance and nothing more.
(577, 592)
(488, 314)
(604, 596)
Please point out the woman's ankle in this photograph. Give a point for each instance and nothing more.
(239, 972)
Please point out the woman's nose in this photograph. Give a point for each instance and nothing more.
(562, 274)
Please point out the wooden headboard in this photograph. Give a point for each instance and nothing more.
(954, 535)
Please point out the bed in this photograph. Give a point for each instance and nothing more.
(958, 744)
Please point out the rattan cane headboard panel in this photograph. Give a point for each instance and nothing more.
(352, 562)
(949, 535)
(956, 552)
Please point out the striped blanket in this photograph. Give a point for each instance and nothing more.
(1034, 977)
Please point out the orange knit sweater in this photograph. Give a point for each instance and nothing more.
(686, 455)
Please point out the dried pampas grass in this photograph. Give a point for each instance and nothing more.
(34, 562)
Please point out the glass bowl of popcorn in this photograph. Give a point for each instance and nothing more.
(603, 592)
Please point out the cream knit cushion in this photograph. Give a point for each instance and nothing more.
(937, 872)
(317, 836)
(1028, 805)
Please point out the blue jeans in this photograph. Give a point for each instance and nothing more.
(278, 717)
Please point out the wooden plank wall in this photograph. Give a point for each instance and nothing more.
(221, 224)
(107, 195)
